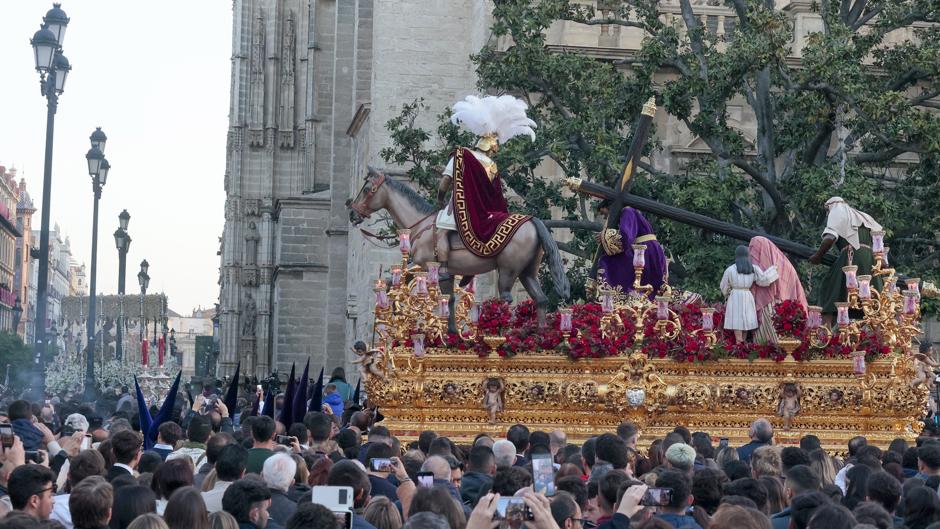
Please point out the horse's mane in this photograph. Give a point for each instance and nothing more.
(416, 200)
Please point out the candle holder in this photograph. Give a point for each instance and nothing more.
(417, 341)
(421, 283)
(858, 363)
(434, 273)
(851, 284)
(639, 264)
(404, 243)
(864, 287)
(443, 307)
(913, 285)
(381, 296)
(819, 334)
(564, 322)
(707, 332)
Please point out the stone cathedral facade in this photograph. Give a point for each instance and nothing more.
(313, 83)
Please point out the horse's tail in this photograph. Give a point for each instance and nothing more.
(562, 287)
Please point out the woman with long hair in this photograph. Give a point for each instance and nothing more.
(856, 490)
(148, 521)
(823, 465)
(725, 455)
(382, 514)
(734, 517)
(186, 510)
(130, 503)
(172, 475)
(300, 488)
(776, 501)
(222, 520)
(438, 500)
(736, 283)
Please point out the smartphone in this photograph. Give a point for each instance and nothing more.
(513, 510)
(426, 479)
(381, 464)
(656, 497)
(543, 475)
(285, 440)
(34, 456)
(339, 500)
(86, 442)
(6, 436)
(722, 442)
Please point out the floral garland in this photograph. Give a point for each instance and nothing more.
(520, 328)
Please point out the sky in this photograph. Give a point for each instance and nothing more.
(155, 77)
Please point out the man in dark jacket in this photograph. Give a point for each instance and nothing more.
(799, 479)
(762, 433)
(478, 480)
(674, 513)
(248, 500)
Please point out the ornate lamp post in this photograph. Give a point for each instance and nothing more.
(53, 69)
(144, 280)
(98, 168)
(123, 242)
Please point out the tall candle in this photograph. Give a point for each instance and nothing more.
(404, 241)
(843, 313)
(864, 287)
(662, 308)
(639, 255)
(878, 241)
(443, 307)
(708, 319)
(564, 320)
(851, 281)
(434, 271)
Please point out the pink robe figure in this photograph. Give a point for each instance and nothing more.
(765, 254)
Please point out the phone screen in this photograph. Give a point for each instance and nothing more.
(6, 435)
(512, 510)
(543, 475)
(382, 464)
(425, 479)
(657, 497)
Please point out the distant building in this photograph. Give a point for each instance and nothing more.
(24, 259)
(185, 330)
(77, 279)
(9, 191)
(60, 283)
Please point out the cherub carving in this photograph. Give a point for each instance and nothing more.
(449, 392)
(370, 363)
(789, 404)
(494, 390)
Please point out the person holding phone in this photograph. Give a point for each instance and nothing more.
(379, 466)
(675, 511)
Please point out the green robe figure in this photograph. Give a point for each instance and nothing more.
(850, 231)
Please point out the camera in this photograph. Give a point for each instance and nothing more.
(513, 510)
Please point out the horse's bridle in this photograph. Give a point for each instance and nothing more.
(359, 206)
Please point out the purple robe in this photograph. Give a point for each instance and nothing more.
(618, 268)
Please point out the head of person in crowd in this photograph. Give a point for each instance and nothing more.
(505, 453)
(248, 500)
(518, 435)
(126, 447)
(382, 514)
(90, 503)
(508, 480)
(131, 502)
(186, 510)
(438, 501)
(749, 488)
(312, 515)
(565, 511)
(791, 456)
(31, 489)
(765, 461)
(681, 457)
(349, 474)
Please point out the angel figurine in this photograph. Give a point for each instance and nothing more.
(369, 363)
(789, 404)
(493, 398)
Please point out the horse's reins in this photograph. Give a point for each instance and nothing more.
(360, 208)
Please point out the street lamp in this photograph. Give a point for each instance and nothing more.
(123, 242)
(53, 69)
(98, 168)
(144, 280)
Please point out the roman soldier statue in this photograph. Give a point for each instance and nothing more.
(477, 210)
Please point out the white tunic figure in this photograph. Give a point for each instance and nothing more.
(740, 310)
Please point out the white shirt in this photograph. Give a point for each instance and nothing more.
(127, 468)
(61, 512)
(163, 447)
(841, 477)
(213, 497)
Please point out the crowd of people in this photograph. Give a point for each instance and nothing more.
(207, 468)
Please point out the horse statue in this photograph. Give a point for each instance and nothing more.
(520, 259)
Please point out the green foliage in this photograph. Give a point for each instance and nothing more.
(853, 116)
(17, 355)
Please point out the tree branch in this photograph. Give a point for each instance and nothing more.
(695, 36)
(573, 224)
(610, 22)
(569, 248)
(879, 156)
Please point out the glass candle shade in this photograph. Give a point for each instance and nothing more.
(913, 285)
(662, 308)
(891, 285)
(851, 279)
(607, 302)
(878, 241)
(910, 302)
(639, 255)
(381, 298)
(858, 362)
(864, 287)
(814, 317)
(564, 320)
(884, 257)
(842, 316)
(421, 283)
(443, 307)
(708, 319)
(404, 241)
(418, 342)
(475, 313)
(472, 285)
(434, 273)
(396, 276)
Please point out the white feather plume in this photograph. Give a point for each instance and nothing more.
(504, 116)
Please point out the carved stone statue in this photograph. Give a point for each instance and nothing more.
(256, 106)
(249, 316)
(251, 244)
(285, 118)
